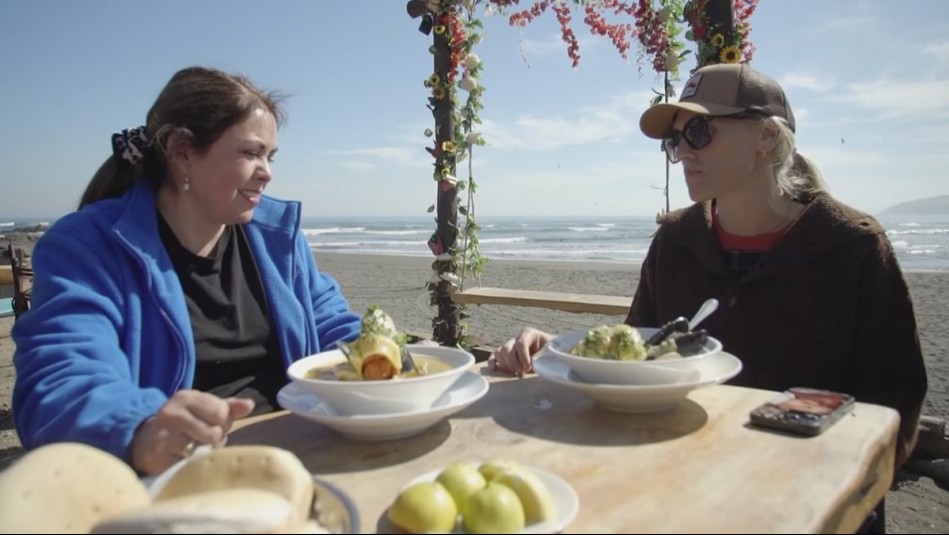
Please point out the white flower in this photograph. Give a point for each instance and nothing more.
(472, 61)
(468, 83)
(450, 277)
(472, 137)
(672, 59)
(475, 38)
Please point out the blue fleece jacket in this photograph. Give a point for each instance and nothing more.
(108, 338)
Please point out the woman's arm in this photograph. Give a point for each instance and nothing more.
(74, 382)
(887, 366)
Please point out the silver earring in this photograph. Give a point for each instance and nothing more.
(187, 186)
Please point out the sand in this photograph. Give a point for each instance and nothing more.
(917, 503)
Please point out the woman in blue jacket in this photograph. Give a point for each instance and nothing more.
(172, 302)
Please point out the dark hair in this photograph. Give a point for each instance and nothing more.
(199, 104)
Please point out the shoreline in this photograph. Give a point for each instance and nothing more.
(581, 263)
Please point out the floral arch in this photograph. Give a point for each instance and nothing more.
(660, 30)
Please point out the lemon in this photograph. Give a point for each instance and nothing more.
(494, 508)
(461, 480)
(492, 467)
(534, 495)
(425, 507)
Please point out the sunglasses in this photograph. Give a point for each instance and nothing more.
(697, 133)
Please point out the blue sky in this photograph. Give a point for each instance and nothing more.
(561, 141)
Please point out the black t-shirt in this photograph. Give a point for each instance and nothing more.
(236, 352)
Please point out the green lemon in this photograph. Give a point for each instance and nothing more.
(533, 493)
(492, 467)
(493, 509)
(461, 480)
(424, 507)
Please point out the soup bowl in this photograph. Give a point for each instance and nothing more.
(445, 365)
(663, 371)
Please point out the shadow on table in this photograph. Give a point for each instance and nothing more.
(538, 408)
(325, 451)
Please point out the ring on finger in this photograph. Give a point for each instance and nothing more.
(188, 449)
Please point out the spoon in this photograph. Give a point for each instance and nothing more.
(344, 349)
(709, 306)
(408, 364)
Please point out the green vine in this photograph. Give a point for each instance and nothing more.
(464, 76)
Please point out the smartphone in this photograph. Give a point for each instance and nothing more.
(803, 411)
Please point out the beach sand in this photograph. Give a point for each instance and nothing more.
(917, 503)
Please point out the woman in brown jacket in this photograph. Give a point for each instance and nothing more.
(810, 290)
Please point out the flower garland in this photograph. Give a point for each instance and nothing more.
(655, 24)
(732, 46)
(463, 74)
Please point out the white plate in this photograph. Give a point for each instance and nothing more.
(470, 387)
(714, 369)
(565, 499)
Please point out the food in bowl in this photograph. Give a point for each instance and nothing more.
(623, 342)
(402, 393)
(377, 353)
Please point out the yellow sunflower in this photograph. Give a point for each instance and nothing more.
(434, 79)
(439, 29)
(717, 40)
(730, 54)
(438, 93)
(448, 146)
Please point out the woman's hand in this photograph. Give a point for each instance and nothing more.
(516, 356)
(187, 419)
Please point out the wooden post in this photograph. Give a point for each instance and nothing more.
(720, 19)
(446, 329)
(445, 325)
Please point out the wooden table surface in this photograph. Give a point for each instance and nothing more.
(698, 468)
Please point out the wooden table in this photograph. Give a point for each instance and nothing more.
(697, 468)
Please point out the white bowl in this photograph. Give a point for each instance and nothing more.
(628, 372)
(715, 369)
(384, 396)
(469, 388)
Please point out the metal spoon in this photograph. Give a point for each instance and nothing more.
(408, 364)
(344, 349)
(709, 306)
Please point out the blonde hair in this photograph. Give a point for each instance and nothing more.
(795, 175)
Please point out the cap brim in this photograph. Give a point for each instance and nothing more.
(656, 122)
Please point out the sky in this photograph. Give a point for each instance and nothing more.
(868, 81)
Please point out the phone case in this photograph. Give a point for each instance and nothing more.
(804, 411)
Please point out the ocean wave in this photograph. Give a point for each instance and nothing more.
(516, 239)
(332, 230)
(588, 229)
(370, 243)
(7, 224)
(919, 232)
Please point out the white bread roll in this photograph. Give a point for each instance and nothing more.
(219, 511)
(254, 467)
(66, 488)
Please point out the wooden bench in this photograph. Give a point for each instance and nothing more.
(612, 305)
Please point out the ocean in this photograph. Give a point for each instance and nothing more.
(921, 242)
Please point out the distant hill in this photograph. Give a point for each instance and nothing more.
(928, 206)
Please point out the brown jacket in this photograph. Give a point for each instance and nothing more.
(827, 307)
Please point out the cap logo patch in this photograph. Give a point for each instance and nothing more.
(691, 87)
